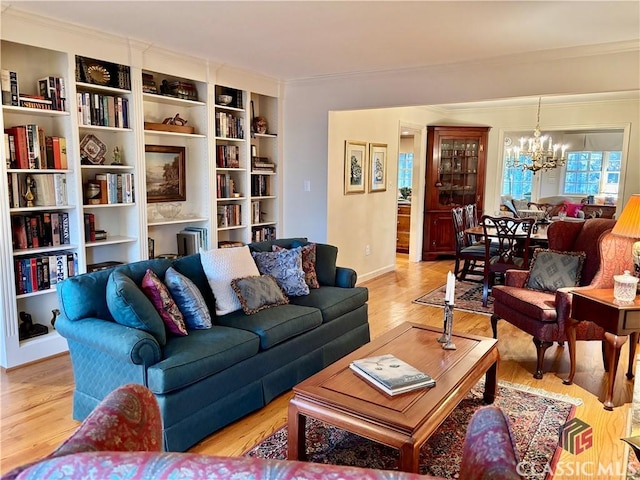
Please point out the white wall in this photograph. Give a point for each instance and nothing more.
(314, 150)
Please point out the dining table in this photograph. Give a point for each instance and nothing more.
(538, 237)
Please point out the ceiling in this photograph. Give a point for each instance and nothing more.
(292, 40)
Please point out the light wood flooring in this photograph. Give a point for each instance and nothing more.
(35, 400)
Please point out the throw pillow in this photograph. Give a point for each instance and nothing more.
(551, 270)
(572, 209)
(286, 267)
(130, 307)
(222, 265)
(258, 293)
(189, 300)
(308, 263)
(159, 295)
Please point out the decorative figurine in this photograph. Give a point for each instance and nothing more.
(260, 125)
(55, 313)
(117, 156)
(29, 194)
(28, 329)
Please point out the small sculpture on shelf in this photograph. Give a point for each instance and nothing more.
(30, 193)
(55, 313)
(28, 329)
(117, 156)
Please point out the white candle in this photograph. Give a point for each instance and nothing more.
(448, 289)
(453, 289)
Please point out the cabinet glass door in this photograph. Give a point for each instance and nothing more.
(457, 172)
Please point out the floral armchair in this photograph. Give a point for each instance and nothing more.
(543, 314)
(121, 438)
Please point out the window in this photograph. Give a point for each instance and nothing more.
(518, 182)
(592, 173)
(405, 170)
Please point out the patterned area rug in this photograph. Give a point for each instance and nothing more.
(536, 420)
(468, 298)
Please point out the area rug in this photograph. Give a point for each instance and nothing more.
(536, 419)
(468, 298)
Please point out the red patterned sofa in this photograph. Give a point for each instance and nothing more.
(122, 437)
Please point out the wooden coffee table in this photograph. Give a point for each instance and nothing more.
(337, 396)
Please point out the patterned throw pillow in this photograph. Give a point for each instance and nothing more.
(286, 267)
(308, 263)
(551, 270)
(258, 293)
(221, 265)
(159, 295)
(189, 300)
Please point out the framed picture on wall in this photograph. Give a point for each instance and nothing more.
(355, 162)
(377, 167)
(165, 173)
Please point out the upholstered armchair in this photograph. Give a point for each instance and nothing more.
(543, 314)
(122, 438)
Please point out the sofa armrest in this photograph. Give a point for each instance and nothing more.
(346, 277)
(489, 449)
(124, 343)
(516, 278)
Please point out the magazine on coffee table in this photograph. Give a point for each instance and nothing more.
(391, 374)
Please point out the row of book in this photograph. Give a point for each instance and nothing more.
(91, 234)
(112, 188)
(229, 126)
(261, 234)
(391, 375)
(42, 229)
(229, 215)
(29, 148)
(260, 186)
(228, 156)
(225, 185)
(51, 92)
(256, 211)
(191, 240)
(42, 272)
(103, 110)
(48, 190)
(262, 164)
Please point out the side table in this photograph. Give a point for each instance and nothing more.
(618, 320)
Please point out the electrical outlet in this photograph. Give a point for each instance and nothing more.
(367, 249)
(307, 185)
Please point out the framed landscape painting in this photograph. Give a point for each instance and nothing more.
(378, 167)
(355, 157)
(165, 173)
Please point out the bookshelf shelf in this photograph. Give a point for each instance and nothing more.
(33, 111)
(31, 251)
(167, 100)
(114, 240)
(101, 88)
(173, 134)
(176, 221)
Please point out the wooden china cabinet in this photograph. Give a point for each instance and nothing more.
(456, 158)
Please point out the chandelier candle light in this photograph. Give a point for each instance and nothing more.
(541, 150)
(449, 296)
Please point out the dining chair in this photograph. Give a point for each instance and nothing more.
(470, 255)
(471, 220)
(506, 247)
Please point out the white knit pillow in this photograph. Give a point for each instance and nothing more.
(223, 265)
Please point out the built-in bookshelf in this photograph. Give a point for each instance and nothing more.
(40, 242)
(264, 168)
(89, 199)
(176, 115)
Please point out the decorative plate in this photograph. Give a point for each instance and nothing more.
(507, 141)
(93, 149)
(99, 74)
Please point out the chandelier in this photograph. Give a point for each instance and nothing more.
(540, 148)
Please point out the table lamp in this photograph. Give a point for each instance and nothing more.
(628, 225)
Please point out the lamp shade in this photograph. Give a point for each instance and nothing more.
(628, 225)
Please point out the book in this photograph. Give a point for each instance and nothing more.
(391, 374)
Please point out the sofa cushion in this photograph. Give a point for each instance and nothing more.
(275, 325)
(222, 265)
(189, 300)
(286, 267)
(164, 303)
(200, 354)
(551, 270)
(334, 302)
(326, 258)
(191, 267)
(267, 245)
(308, 263)
(258, 293)
(532, 303)
(130, 307)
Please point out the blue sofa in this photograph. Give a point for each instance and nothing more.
(211, 377)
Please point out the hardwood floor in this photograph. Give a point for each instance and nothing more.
(36, 400)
